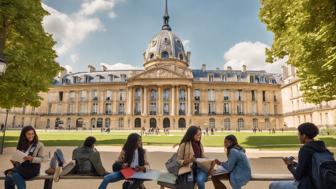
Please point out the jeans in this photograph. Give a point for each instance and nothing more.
(58, 158)
(13, 179)
(201, 177)
(116, 176)
(284, 185)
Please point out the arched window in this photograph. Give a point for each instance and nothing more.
(255, 123)
(99, 122)
(93, 122)
(181, 123)
(107, 123)
(212, 123)
(137, 123)
(240, 123)
(166, 123)
(164, 55)
(79, 123)
(267, 124)
(227, 124)
(152, 123)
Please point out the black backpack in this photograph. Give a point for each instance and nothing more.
(324, 170)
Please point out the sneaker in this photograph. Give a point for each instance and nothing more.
(50, 171)
(68, 168)
(57, 173)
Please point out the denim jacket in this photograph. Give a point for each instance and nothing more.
(239, 168)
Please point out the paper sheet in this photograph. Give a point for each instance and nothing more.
(18, 156)
(219, 170)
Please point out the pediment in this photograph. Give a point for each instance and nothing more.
(161, 73)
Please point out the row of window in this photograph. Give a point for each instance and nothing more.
(166, 95)
(100, 123)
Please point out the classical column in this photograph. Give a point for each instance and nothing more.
(145, 102)
(189, 101)
(172, 101)
(159, 111)
(129, 100)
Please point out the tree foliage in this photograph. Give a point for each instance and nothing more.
(28, 52)
(305, 31)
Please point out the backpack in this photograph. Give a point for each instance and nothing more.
(324, 170)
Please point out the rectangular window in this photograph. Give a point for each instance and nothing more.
(196, 109)
(212, 108)
(197, 95)
(122, 95)
(83, 108)
(137, 108)
(240, 109)
(72, 96)
(254, 108)
(226, 95)
(211, 95)
(121, 108)
(82, 95)
(60, 96)
(108, 95)
(253, 93)
(226, 108)
(108, 108)
(264, 96)
(165, 109)
(239, 95)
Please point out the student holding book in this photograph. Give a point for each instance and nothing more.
(237, 165)
(30, 164)
(189, 150)
(132, 156)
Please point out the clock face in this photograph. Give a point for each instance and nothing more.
(153, 43)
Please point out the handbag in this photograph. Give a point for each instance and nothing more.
(117, 166)
(27, 169)
(172, 165)
(185, 181)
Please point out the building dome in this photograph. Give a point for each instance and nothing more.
(166, 46)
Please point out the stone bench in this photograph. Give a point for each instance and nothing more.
(169, 181)
(166, 180)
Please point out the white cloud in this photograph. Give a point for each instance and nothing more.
(90, 7)
(68, 68)
(74, 58)
(186, 44)
(252, 55)
(119, 66)
(69, 30)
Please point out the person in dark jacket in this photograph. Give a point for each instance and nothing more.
(302, 170)
(88, 161)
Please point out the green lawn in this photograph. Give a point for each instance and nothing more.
(278, 141)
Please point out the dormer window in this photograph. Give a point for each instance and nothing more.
(164, 55)
(181, 57)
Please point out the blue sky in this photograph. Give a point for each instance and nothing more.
(217, 32)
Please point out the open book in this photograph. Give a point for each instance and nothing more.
(18, 156)
(206, 164)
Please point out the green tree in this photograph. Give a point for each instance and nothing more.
(28, 52)
(305, 31)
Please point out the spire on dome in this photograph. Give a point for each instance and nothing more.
(166, 19)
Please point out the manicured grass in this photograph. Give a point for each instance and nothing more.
(278, 141)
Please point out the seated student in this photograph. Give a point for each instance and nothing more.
(58, 166)
(132, 155)
(191, 148)
(237, 165)
(87, 159)
(29, 144)
(302, 170)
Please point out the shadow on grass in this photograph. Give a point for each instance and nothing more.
(274, 142)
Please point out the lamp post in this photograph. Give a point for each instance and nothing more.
(3, 67)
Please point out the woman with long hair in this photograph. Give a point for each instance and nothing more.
(30, 145)
(237, 165)
(189, 149)
(133, 156)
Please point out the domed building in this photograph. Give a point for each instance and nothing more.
(165, 94)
